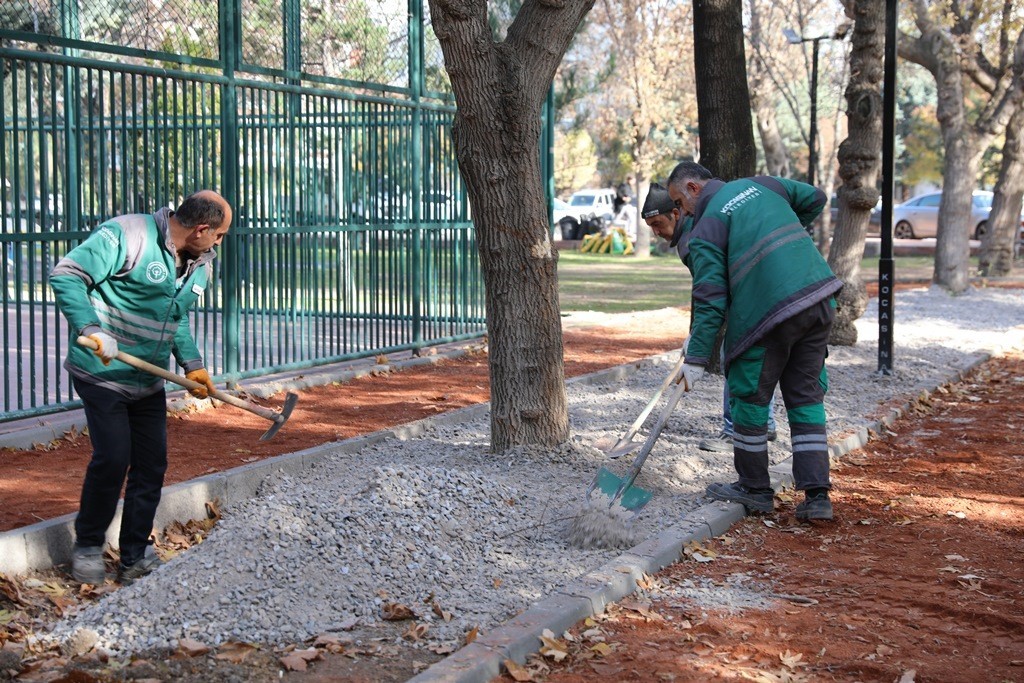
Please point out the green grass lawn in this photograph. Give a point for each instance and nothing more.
(618, 284)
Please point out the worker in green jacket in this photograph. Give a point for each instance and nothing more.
(664, 218)
(756, 268)
(129, 286)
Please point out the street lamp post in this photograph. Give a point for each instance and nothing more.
(795, 39)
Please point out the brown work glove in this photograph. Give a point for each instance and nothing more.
(201, 376)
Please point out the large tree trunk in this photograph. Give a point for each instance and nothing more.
(952, 57)
(762, 101)
(998, 242)
(499, 89)
(723, 99)
(860, 162)
(723, 113)
(776, 157)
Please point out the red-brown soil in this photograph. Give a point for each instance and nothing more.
(45, 483)
(920, 577)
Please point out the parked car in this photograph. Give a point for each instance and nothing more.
(560, 209)
(592, 202)
(919, 217)
(874, 220)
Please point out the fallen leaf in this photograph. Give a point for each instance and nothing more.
(443, 648)
(235, 652)
(444, 614)
(791, 659)
(497, 583)
(908, 676)
(472, 634)
(602, 649)
(416, 631)
(192, 648)
(956, 558)
(552, 647)
(396, 611)
(884, 650)
(958, 515)
(518, 672)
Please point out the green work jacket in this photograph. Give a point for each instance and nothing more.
(754, 263)
(123, 280)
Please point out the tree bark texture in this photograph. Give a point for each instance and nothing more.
(499, 89)
(953, 55)
(723, 98)
(860, 163)
(999, 241)
(762, 102)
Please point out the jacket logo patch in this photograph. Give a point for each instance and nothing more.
(197, 290)
(740, 199)
(156, 272)
(108, 234)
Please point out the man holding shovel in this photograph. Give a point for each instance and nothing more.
(756, 268)
(129, 286)
(663, 217)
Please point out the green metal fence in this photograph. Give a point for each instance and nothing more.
(327, 127)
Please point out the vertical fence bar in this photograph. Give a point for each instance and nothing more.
(230, 31)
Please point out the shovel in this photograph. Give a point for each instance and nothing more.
(622, 490)
(625, 444)
(266, 413)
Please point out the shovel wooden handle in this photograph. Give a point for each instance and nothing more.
(140, 364)
(654, 400)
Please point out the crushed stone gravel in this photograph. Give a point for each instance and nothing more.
(439, 519)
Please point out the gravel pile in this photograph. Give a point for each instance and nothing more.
(466, 539)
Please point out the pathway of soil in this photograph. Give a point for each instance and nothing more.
(919, 578)
(45, 483)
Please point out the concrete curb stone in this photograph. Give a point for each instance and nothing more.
(48, 543)
(618, 578)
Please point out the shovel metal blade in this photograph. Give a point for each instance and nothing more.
(622, 448)
(632, 498)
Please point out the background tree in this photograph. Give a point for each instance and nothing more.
(500, 87)
(764, 24)
(645, 39)
(860, 162)
(997, 244)
(969, 116)
(723, 99)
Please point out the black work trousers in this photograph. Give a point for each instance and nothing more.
(129, 437)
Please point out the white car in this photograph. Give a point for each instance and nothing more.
(589, 203)
(919, 217)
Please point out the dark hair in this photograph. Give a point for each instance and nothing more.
(686, 171)
(200, 210)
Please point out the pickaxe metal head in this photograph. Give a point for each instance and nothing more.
(289, 405)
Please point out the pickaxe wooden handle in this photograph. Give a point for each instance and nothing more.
(266, 413)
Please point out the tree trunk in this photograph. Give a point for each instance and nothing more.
(723, 100)
(762, 101)
(999, 240)
(860, 162)
(776, 157)
(642, 245)
(499, 89)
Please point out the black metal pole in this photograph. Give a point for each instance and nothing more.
(886, 278)
(812, 159)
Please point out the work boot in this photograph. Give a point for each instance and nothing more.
(127, 575)
(815, 506)
(87, 565)
(719, 444)
(755, 500)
